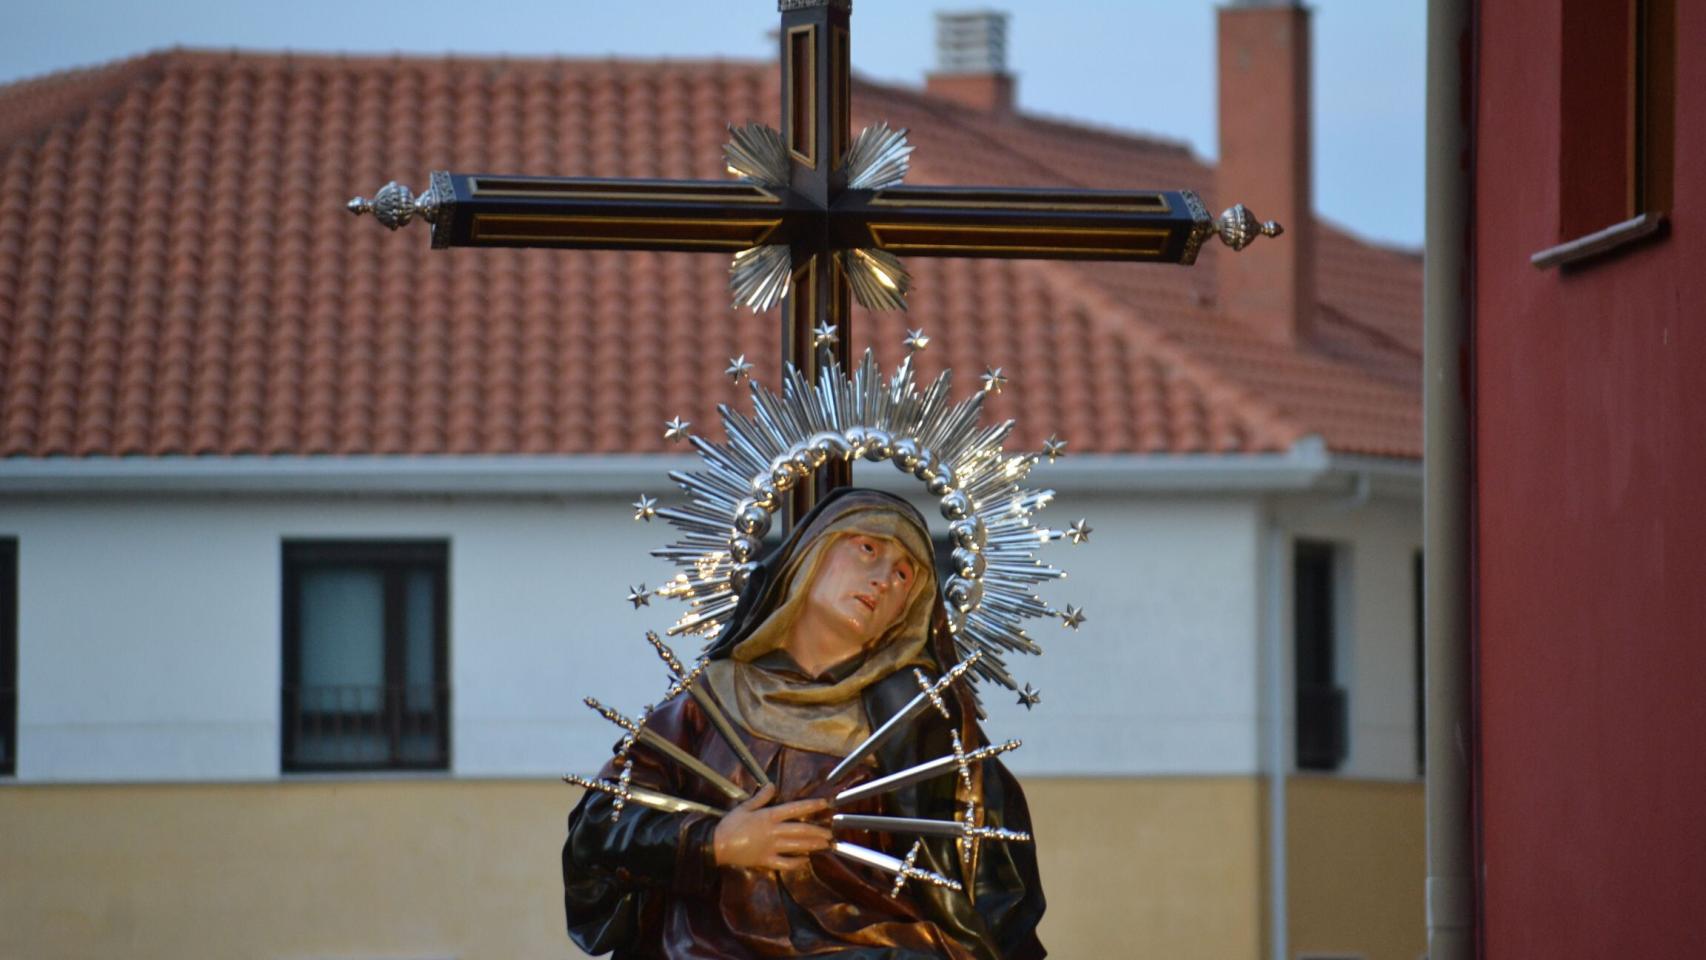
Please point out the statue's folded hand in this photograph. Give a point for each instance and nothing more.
(756, 836)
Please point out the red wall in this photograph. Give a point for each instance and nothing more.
(1590, 539)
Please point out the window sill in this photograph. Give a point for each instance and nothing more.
(1600, 242)
(311, 776)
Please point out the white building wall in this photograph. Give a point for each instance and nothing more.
(147, 642)
(150, 633)
(1376, 656)
(1162, 677)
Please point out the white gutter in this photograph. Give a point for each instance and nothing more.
(1305, 466)
(492, 475)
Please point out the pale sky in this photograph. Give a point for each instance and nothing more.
(1138, 65)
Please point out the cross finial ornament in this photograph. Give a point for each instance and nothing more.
(817, 217)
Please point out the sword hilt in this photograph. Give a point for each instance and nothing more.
(611, 715)
(998, 833)
(931, 691)
(684, 681)
(964, 763)
(909, 870)
(665, 653)
(993, 750)
(623, 749)
(958, 670)
(622, 794)
(618, 790)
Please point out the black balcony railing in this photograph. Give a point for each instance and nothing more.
(8, 730)
(367, 727)
(1321, 739)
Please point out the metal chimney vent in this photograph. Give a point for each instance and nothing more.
(971, 42)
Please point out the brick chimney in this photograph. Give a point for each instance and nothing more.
(1265, 163)
(971, 61)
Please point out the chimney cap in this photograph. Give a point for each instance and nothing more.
(971, 42)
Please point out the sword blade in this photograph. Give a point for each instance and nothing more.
(708, 703)
(926, 827)
(904, 716)
(893, 866)
(643, 796)
(921, 772)
(644, 734)
(698, 767)
(726, 730)
(918, 825)
(880, 736)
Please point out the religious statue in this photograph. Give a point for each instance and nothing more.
(818, 783)
(824, 646)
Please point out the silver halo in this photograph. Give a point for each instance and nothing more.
(980, 488)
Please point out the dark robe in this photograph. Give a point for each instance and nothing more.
(645, 886)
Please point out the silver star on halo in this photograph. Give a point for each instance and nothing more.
(916, 341)
(1080, 531)
(1030, 697)
(1054, 447)
(675, 429)
(993, 380)
(825, 335)
(1072, 616)
(645, 508)
(738, 369)
(639, 596)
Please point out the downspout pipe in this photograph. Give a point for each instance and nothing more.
(1281, 729)
(1447, 505)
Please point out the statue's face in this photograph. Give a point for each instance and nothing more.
(862, 585)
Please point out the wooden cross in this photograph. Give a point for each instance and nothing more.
(796, 222)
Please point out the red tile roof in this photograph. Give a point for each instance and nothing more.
(178, 275)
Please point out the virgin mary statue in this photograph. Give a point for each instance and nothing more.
(824, 645)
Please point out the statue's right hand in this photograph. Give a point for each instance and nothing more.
(772, 838)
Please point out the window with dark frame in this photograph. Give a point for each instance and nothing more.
(8, 656)
(1321, 720)
(1617, 112)
(366, 655)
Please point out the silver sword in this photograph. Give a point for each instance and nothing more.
(684, 680)
(926, 827)
(645, 797)
(929, 695)
(901, 870)
(663, 745)
(922, 771)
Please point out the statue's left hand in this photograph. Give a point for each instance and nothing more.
(753, 835)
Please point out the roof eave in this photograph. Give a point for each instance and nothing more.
(1306, 465)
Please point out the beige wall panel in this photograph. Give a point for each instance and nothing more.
(1155, 867)
(469, 869)
(1357, 854)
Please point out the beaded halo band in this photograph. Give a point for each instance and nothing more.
(980, 488)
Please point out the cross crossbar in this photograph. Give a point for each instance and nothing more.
(818, 216)
(485, 210)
